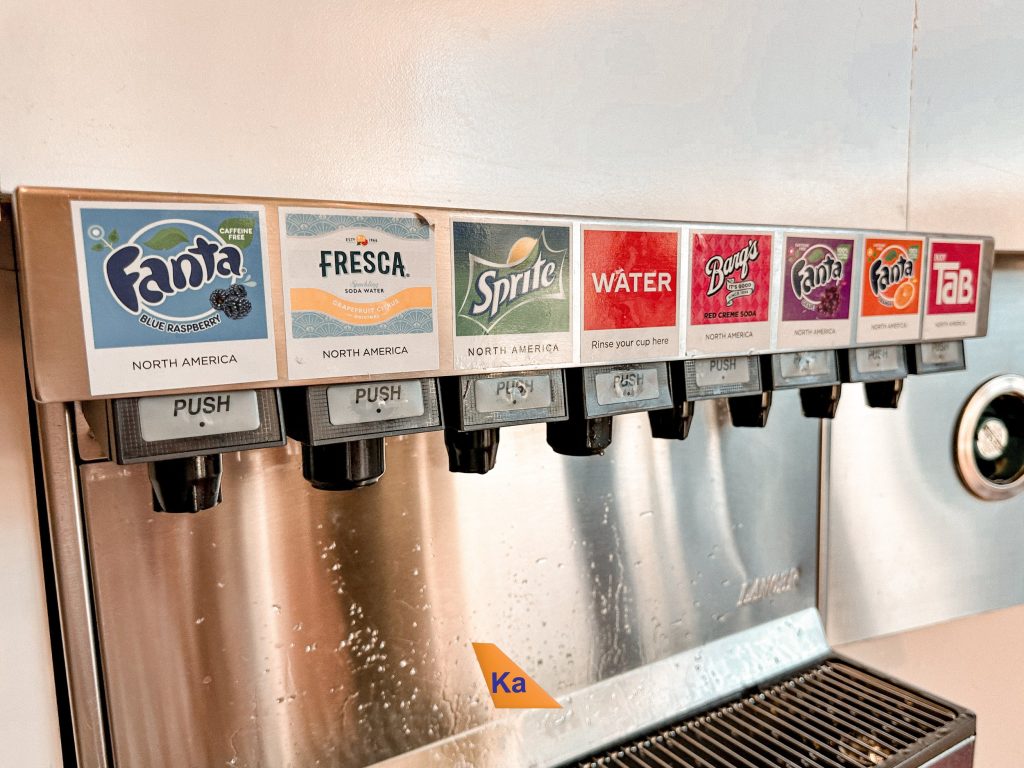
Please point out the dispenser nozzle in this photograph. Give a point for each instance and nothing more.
(750, 410)
(343, 466)
(474, 452)
(186, 485)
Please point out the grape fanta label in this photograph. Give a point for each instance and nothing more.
(817, 282)
(730, 291)
(360, 292)
(954, 271)
(173, 295)
(512, 293)
(630, 294)
(890, 291)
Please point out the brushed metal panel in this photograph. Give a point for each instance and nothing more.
(291, 626)
(29, 729)
(907, 544)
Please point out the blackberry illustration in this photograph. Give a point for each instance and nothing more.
(237, 307)
(237, 290)
(218, 297)
(829, 303)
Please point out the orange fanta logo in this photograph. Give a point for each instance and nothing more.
(892, 277)
(509, 686)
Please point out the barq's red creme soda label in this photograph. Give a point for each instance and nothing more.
(630, 294)
(730, 291)
(954, 272)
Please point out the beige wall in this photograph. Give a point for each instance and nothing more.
(977, 662)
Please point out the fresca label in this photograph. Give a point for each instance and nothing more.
(360, 292)
(512, 293)
(730, 291)
(816, 286)
(954, 271)
(173, 296)
(630, 294)
(890, 293)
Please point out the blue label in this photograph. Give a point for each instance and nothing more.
(173, 276)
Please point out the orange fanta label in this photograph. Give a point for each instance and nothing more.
(892, 276)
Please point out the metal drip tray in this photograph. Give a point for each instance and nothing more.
(834, 715)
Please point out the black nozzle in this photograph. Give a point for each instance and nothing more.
(883, 394)
(579, 436)
(186, 485)
(343, 466)
(672, 423)
(473, 452)
(820, 402)
(750, 410)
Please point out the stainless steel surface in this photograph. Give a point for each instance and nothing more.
(834, 714)
(989, 437)
(56, 339)
(906, 544)
(292, 627)
(29, 730)
(74, 595)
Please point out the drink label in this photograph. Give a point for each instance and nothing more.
(954, 272)
(627, 386)
(374, 401)
(360, 292)
(512, 293)
(630, 294)
(173, 295)
(512, 393)
(197, 415)
(890, 292)
(818, 276)
(730, 292)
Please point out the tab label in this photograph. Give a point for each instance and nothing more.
(730, 292)
(890, 303)
(512, 293)
(173, 295)
(817, 280)
(954, 272)
(360, 292)
(630, 294)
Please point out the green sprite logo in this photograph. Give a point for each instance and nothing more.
(511, 278)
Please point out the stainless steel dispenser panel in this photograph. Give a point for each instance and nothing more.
(905, 543)
(293, 627)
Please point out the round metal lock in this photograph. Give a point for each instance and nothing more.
(989, 441)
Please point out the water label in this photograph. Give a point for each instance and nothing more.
(173, 295)
(890, 291)
(730, 292)
(817, 280)
(512, 293)
(360, 292)
(954, 272)
(630, 294)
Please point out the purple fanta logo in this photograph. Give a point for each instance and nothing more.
(138, 280)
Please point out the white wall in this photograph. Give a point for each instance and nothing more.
(781, 112)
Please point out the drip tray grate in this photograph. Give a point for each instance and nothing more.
(834, 715)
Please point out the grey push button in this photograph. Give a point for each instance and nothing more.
(512, 393)
(815, 368)
(176, 417)
(937, 357)
(870, 364)
(504, 399)
(722, 377)
(627, 386)
(376, 401)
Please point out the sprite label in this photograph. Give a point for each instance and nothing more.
(511, 280)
